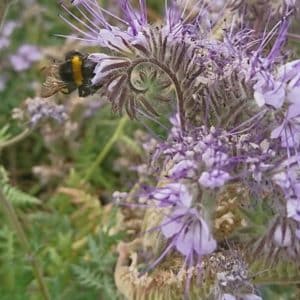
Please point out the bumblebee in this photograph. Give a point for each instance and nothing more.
(74, 73)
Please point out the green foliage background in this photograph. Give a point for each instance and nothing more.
(72, 242)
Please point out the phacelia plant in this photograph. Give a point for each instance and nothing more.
(231, 154)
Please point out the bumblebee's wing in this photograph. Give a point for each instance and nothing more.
(51, 70)
(51, 86)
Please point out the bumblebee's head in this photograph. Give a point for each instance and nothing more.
(72, 53)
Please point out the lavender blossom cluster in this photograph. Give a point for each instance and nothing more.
(38, 110)
(24, 57)
(235, 125)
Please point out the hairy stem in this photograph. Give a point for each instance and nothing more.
(16, 139)
(4, 8)
(13, 218)
(173, 78)
(103, 153)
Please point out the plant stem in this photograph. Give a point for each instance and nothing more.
(13, 218)
(16, 139)
(132, 144)
(103, 153)
(4, 8)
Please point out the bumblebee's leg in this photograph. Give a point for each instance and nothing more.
(69, 88)
(85, 90)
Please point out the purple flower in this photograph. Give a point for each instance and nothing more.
(227, 297)
(6, 32)
(288, 130)
(289, 71)
(40, 109)
(282, 236)
(235, 125)
(25, 56)
(4, 42)
(268, 91)
(284, 180)
(183, 227)
(19, 63)
(184, 169)
(175, 130)
(106, 66)
(172, 194)
(9, 27)
(293, 207)
(211, 157)
(214, 179)
(189, 233)
(251, 297)
(270, 87)
(275, 91)
(290, 2)
(289, 182)
(30, 52)
(105, 34)
(134, 42)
